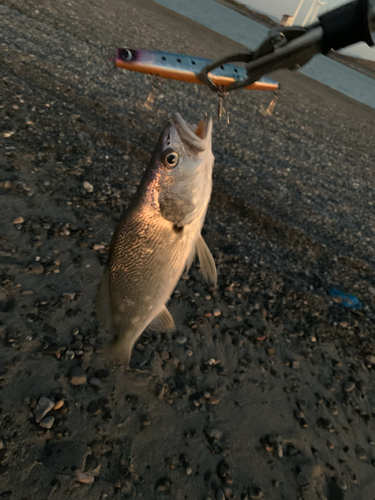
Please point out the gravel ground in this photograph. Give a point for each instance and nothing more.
(267, 388)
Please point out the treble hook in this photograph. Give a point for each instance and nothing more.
(149, 102)
(271, 107)
(221, 111)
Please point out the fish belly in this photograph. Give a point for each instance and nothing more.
(147, 260)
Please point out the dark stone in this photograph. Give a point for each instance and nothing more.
(102, 374)
(222, 469)
(91, 462)
(104, 402)
(94, 408)
(107, 416)
(163, 484)
(50, 330)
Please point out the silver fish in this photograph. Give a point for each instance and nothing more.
(158, 236)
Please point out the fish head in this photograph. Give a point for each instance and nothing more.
(182, 164)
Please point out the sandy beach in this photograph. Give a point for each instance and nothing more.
(266, 389)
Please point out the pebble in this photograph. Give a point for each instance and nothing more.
(334, 409)
(47, 422)
(102, 374)
(58, 404)
(181, 339)
(270, 351)
(49, 329)
(216, 434)
(42, 408)
(18, 220)
(361, 454)
(83, 477)
(163, 484)
(299, 414)
(36, 269)
(95, 382)
(295, 364)
(161, 390)
(349, 386)
(88, 187)
(94, 408)
(370, 358)
(220, 495)
(341, 484)
(302, 480)
(77, 344)
(145, 420)
(189, 470)
(238, 342)
(216, 312)
(214, 400)
(257, 493)
(77, 376)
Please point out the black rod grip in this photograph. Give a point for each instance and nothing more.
(346, 25)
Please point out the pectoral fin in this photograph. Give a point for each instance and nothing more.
(206, 260)
(163, 322)
(103, 307)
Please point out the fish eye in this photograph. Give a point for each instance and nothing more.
(170, 158)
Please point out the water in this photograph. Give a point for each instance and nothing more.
(243, 30)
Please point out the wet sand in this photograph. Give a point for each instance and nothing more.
(267, 388)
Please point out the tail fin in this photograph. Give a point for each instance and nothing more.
(120, 351)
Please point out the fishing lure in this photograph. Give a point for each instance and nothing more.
(186, 68)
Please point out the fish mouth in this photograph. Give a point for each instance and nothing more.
(197, 137)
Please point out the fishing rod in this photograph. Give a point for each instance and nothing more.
(285, 48)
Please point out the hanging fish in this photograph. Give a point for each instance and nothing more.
(158, 236)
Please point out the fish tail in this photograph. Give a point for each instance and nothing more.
(120, 351)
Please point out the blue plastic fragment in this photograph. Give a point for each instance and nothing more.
(345, 299)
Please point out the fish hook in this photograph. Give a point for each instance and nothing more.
(271, 107)
(221, 111)
(149, 102)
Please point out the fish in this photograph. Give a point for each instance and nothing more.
(158, 237)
